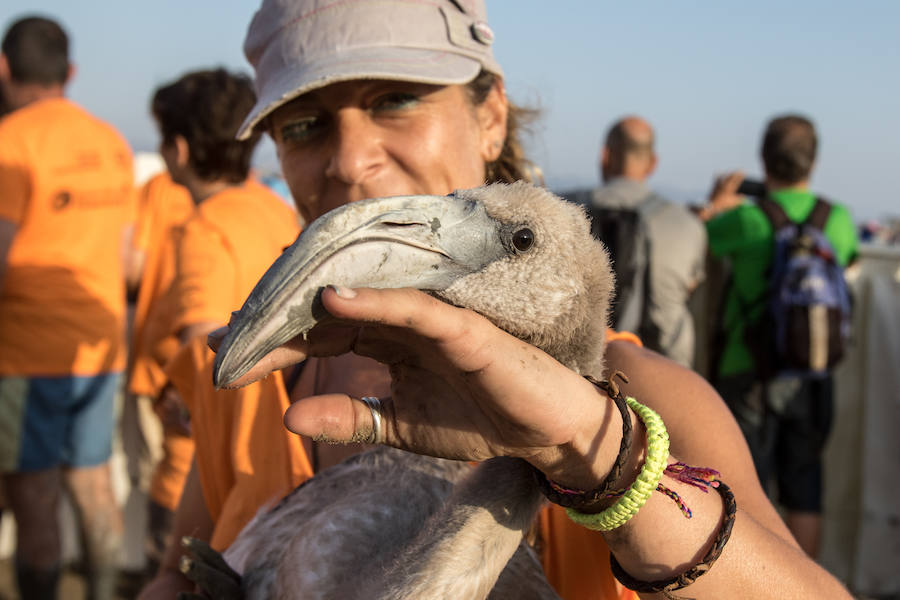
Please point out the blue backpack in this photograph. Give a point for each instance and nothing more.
(808, 304)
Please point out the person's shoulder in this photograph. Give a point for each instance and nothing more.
(839, 212)
(620, 193)
(160, 193)
(243, 198)
(264, 194)
(674, 214)
(243, 207)
(110, 132)
(742, 217)
(840, 229)
(20, 123)
(749, 209)
(159, 183)
(67, 117)
(23, 131)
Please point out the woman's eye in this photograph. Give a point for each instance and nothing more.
(300, 129)
(396, 101)
(523, 239)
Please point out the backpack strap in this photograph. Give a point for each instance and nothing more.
(773, 211)
(819, 215)
(648, 331)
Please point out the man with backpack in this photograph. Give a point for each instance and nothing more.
(786, 316)
(657, 248)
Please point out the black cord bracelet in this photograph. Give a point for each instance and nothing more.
(585, 501)
(686, 578)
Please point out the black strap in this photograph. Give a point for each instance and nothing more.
(773, 211)
(778, 218)
(819, 215)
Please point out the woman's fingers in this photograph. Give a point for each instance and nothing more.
(338, 418)
(387, 318)
(406, 308)
(291, 353)
(332, 341)
(343, 419)
(395, 319)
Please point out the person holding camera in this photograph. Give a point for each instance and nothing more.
(782, 403)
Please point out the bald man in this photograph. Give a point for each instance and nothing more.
(667, 256)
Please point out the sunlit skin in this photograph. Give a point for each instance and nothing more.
(367, 138)
(364, 139)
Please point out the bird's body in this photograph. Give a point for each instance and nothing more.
(341, 533)
(391, 524)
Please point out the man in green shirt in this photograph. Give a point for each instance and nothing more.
(785, 420)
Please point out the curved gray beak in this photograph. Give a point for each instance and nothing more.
(425, 242)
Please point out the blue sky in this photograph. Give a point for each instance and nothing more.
(708, 75)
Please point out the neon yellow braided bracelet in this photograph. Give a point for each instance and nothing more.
(651, 472)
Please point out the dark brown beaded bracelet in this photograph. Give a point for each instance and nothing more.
(686, 578)
(589, 501)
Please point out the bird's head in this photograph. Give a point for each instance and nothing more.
(517, 254)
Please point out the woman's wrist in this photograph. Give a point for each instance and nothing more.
(585, 460)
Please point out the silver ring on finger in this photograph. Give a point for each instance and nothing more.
(374, 404)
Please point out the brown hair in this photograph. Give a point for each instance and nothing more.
(789, 148)
(206, 108)
(37, 50)
(512, 164)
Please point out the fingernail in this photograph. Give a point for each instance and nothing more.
(344, 292)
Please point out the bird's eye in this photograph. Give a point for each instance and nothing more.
(523, 239)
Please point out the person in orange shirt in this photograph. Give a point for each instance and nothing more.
(66, 207)
(163, 207)
(373, 99)
(235, 230)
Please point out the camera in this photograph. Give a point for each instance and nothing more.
(751, 187)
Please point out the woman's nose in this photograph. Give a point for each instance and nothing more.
(356, 152)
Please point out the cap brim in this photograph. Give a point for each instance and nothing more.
(421, 66)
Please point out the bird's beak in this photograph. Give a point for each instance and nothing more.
(425, 242)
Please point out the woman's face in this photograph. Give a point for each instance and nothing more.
(369, 138)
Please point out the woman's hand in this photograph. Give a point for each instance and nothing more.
(462, 388)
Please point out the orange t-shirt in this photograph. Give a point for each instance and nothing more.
(162, 206)
(66, 181)
(219, 254)
(245, 457)
(205, 269)
(228, 244)
(170, 473)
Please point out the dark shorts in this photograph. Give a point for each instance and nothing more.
(47, 422)
(786, 428)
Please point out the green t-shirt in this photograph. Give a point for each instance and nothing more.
(745, 236)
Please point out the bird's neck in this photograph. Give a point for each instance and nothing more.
(465, 546)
